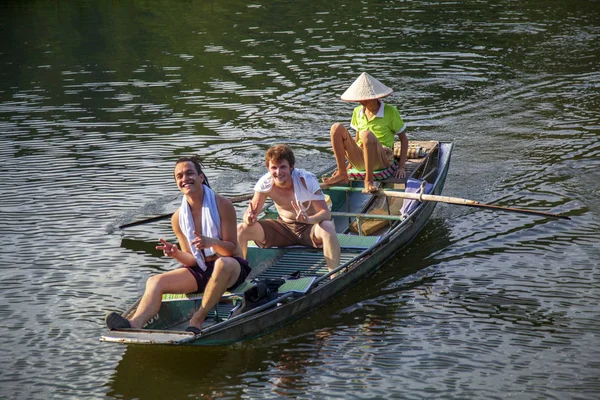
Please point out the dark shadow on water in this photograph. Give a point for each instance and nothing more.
(142, 246)
(181, 372)
(147, 372)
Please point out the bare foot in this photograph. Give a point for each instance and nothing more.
(337, 177)
(369, 188)
(198, 318)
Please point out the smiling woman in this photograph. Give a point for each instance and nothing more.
(184, 175)
(211, 260)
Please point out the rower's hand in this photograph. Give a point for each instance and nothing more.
(301, 215)
(202, 242)
(250, 214)
(167, 248)
(400, 173)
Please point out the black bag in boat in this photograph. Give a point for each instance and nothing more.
(261, 292)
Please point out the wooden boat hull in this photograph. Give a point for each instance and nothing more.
(358, 265)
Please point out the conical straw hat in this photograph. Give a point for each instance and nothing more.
(365, 87)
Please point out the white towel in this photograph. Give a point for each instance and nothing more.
(301, 193)
(211, 224)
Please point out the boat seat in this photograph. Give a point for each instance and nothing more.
(350, 242)
(415, 154)
(359, 175)
(197, 296)
(356, 241)
(298, 285)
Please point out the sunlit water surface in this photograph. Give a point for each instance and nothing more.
(99, 99)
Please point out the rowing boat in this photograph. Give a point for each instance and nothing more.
(288, 283)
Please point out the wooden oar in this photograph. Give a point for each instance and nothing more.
(235, 199)
(450, 200)
(465, 202)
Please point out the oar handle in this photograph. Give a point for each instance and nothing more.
(431, 197)
(467, 202)
(145, 221)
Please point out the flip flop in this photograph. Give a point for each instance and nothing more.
(117, 321)
(194, 330)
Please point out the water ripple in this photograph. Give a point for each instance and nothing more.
(481, 304)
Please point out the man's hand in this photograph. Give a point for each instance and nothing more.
(202, 242)
(301, 215)
(167, 248)
(400, 173)
(250, 214)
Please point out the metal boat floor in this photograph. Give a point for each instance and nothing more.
(297, 261)
(306, 262)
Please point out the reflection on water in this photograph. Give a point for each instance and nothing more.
(181, 372)
(97, 101)
(213, 372)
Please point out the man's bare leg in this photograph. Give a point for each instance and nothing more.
(176, 281)
(226, 272)
(325, 232)
(339, 143)
(369, 144)
(246, 233)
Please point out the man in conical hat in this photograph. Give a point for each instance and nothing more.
(376, 124)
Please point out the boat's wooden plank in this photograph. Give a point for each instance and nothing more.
(410, 167)
(234, 293)
(356, 242)
(412, 164)
(370, 226)
(147, 336)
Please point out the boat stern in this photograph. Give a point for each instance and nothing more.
(146, 336)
